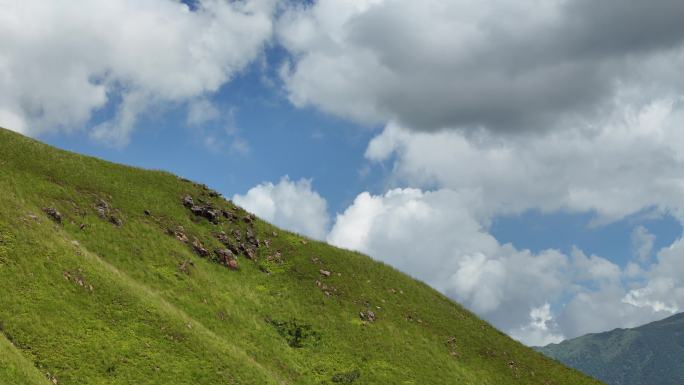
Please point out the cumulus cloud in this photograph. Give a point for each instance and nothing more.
(62, 60)
(538, 331)
(292, 205)
(632, 162)
(434, 236)
(600, 171)
(502, 65)
(664, 291)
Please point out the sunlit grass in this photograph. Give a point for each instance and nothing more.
(145, 321)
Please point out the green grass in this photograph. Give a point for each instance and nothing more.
(94, 303)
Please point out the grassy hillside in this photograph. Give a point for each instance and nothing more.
(647, 355)
(125, 284)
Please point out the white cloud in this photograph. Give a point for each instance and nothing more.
(437, 237)
(505, 65)
(62, 60)
(591, 311)
(642, 242)
(594, 268)
(201, 111)
(600, 168)
(538, 332)
(632, 162)
(434, 236)
(292, 205)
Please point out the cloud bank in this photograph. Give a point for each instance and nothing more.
(61, 61)
(506, 66)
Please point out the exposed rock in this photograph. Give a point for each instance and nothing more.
(367, 316)
(237, 235)
(53, 214)
(223, 238)
(102, 208)
(327, 290)
(274, 234)
(250, 253)
(251, 239)
(235, 249)
(211, 214)
(115, 220)
(325, 273)
(267, 242)
(77, 277)
(277, 257)
(229, 215)
(205, 211)
(247, 220)
(197, 210)
(105, 211)
(224, 256)
(232, 264)
(147, 212)
(179, 233)
(199, 248)
(188, 201)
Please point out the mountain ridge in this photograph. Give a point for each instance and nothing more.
(649, 354)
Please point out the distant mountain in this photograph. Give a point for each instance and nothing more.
(652, 354)
(116, 275)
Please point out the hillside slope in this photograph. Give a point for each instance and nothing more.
(115, 275)
(647, 355)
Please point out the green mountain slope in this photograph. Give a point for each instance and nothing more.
(116, 275)
(652, 354)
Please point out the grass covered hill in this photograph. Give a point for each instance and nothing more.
(652, 354)
(116, 275)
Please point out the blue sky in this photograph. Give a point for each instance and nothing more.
(532, 171)
(280, 140)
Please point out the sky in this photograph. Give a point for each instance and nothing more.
(524, 158)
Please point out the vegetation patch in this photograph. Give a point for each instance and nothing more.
(297, 333)
(346, 377)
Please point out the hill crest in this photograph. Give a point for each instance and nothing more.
(113, 274)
